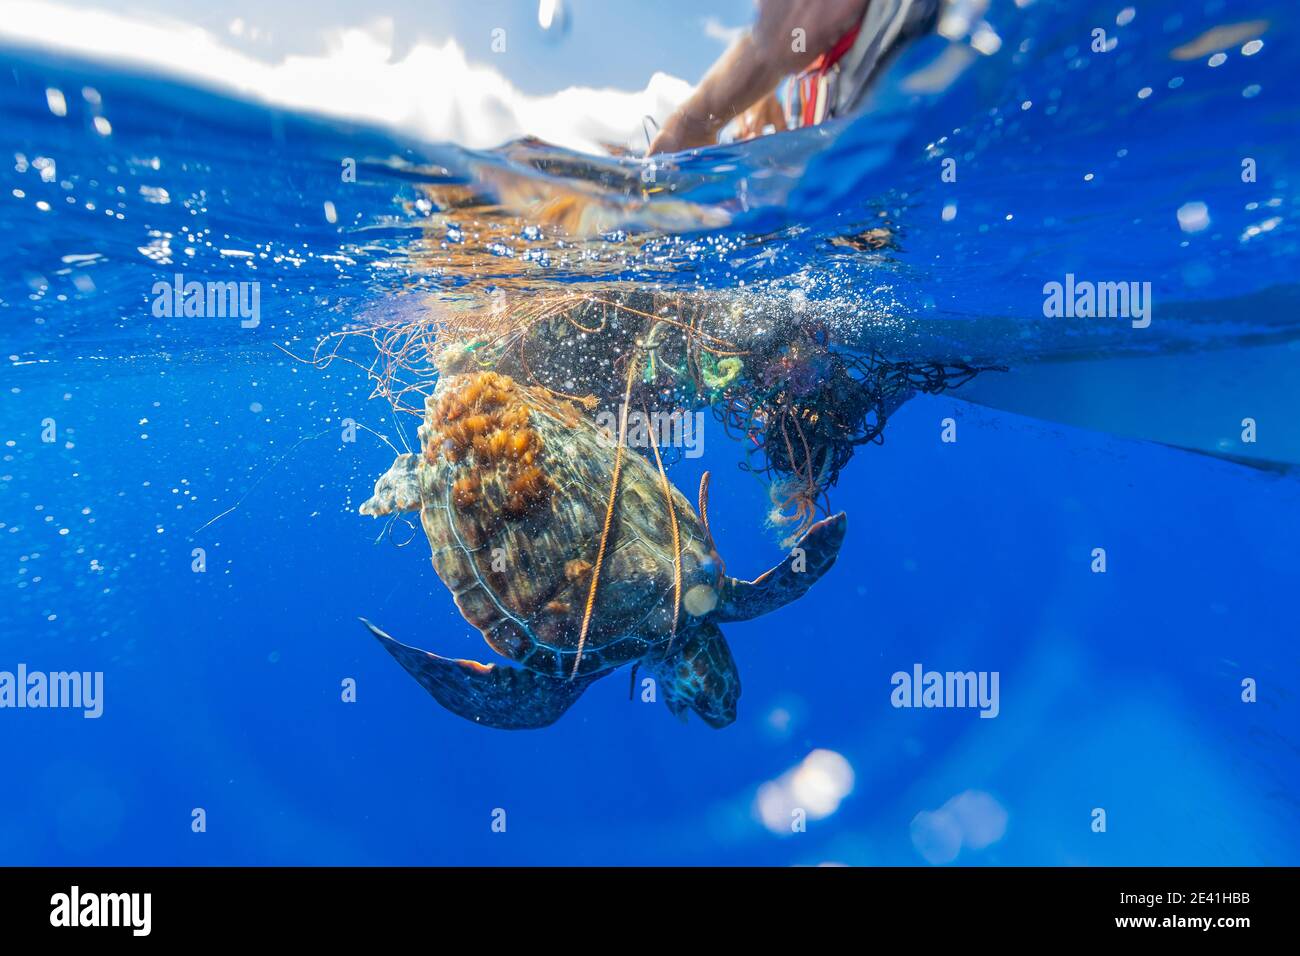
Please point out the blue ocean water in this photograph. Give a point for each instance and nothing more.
(1120, 691)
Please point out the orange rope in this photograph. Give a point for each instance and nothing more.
(704, 505)
(677, 541)
(704, 518)
(609, 518)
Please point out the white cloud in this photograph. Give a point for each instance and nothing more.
(435, 91)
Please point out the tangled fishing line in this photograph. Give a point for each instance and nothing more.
(800, 405)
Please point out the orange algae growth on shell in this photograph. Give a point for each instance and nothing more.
(484, 424)
(465, 492)
(576, 568)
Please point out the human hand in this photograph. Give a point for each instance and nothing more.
(683, 131)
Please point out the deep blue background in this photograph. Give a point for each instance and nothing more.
(1118, 690)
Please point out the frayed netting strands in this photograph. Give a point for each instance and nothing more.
(402, 359)
(819, 405)
(585, 343)
(800, 405)
(574, 346)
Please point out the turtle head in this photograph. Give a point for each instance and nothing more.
(700, 675)
(398, 489)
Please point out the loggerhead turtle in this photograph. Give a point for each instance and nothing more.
(514, 494)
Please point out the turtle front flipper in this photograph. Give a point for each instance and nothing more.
(812, 557)
(504, 697)
(701, 674)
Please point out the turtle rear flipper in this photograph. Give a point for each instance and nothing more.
(398, 489)
(504, 697)
(808, 560)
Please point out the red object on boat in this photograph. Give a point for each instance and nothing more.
(809, 78)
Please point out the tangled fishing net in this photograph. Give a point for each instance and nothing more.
(799, 405)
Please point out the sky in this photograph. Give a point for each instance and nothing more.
(434, 68)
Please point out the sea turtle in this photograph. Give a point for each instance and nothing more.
(514, 493)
